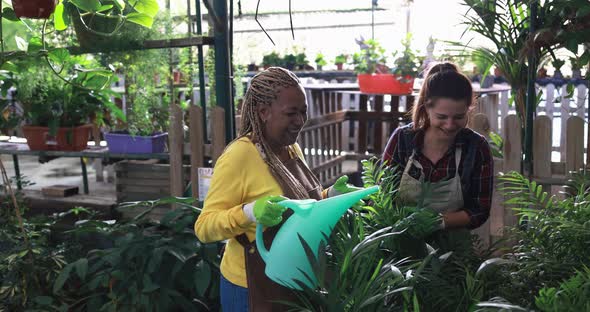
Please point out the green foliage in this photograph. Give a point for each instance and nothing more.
(341, 59)
(30, 262)
(578, 62)
(141, 12)
(290, 60)
(497, 145)
(552, 243)
(156, 266)
(557, 63)
(272, 59)
(371, 55)
(210, 70)
(562, 24)
(407, 64)
(301, 59)
(50, 101)
(505, 24)
(571, 295)
(320, 60)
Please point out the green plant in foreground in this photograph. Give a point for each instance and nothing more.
(571, 295)
(156, 266)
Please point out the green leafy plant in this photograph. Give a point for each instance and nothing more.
(551, 243)
(157, 266)
(320, 60)
(497, 145)
(571, 295)
(578, 62)
(341, 59)
(289, 61)
(557, 64)
(301, 60)
(52, 102)
(27, 271)
(407, 64)
(371, 55)
(272, 59)
(117, 12)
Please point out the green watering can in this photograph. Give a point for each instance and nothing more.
(286, 260)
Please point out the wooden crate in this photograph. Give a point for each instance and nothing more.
(141, 180)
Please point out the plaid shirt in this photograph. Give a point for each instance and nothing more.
(475, 168)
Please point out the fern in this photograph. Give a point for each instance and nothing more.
(525, 197)
(571, 295)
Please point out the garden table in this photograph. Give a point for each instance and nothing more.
(16, 149)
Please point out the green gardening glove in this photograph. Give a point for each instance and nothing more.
(267, 212)
(341, 186)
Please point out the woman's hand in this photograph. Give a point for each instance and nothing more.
(421, 223)
(341, 186)
(265, 210)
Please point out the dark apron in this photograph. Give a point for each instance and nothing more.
(261, 290)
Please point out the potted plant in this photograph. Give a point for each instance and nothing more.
(271, 59)
(340, 60)
(577, 63)
(557, 64)
(320, 61)
(289, 61)
(375, 77)
(118, 24)
(301, 61)
(58, 113)
(406, 66)
(144, 129)
(33, 8)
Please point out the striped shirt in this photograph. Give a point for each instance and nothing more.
(475, 168)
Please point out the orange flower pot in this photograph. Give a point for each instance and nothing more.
(385, 84)
(66, 139)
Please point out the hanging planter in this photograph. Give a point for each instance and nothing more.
(41, 9)
(385, 84)
(121, 142)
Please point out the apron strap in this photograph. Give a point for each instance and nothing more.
(457, 160)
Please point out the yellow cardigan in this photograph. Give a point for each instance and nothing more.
(240, 176)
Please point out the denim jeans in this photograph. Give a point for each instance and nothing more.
(234, 298)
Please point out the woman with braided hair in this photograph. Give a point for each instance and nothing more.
(260, 168)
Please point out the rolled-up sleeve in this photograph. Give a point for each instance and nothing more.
(478, 201)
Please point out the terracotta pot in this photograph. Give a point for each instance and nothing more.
(33, 8)
(339, 66)
(66, 139)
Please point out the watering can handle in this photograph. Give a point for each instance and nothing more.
(260, 243)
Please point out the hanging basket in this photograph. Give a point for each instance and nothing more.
(40, 9)
(95, 31)
(385, 84)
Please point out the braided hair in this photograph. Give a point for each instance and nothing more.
(263, 91)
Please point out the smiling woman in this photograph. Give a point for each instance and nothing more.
(262, 167)
(437, 150)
